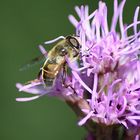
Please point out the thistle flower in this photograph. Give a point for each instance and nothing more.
(105, 86)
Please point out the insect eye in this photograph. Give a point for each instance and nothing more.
(73, 41)
(63, 52)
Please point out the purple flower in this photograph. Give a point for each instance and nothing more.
(106, 85)
(111, 61)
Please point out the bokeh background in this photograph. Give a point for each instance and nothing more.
(23, 25)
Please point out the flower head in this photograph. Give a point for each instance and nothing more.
(106, 83)
(111, 65)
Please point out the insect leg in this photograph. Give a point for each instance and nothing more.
(64, 75)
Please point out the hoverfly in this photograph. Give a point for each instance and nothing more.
(56, 59)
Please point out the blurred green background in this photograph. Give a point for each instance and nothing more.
(23, 25)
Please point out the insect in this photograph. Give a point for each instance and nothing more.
(56, 59)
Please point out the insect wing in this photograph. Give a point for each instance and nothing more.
(34, 61)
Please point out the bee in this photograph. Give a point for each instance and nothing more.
(56, 59)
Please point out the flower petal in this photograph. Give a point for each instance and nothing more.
(27, 99)
(85, 119)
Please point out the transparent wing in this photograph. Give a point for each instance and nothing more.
(37, 60)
